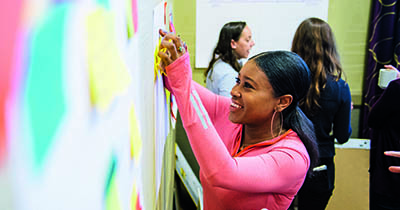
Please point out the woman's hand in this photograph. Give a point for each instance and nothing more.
(394, 169)
(393, 68)
(174, 46)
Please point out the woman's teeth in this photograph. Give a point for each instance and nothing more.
(236, 105)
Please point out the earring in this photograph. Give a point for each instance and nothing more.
(272, 123)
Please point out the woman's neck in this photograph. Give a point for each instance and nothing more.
(253, 135)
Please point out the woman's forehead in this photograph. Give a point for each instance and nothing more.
(246, 31)
(252, 71)
(250, 67)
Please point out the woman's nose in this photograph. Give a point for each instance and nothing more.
(234, 92)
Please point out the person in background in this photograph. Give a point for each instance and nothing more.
(327, 104)
(234, 43)
(384, 121)
(255, 148)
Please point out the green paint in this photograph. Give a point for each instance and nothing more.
(110, 176)
(104, 3)
(111, 194)
(45, 99)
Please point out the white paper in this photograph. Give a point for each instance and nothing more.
(161, 109)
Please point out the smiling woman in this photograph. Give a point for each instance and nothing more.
(234, 43)
(262, 118)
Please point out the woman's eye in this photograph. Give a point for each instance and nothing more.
(237, 80)
(247, 85)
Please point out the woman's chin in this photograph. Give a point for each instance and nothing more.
(233, 120)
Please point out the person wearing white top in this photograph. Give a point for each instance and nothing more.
(235, 42)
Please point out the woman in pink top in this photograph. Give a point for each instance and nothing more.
(254, 149)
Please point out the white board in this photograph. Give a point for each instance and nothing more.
(273, 22)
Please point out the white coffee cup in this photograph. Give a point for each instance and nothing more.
(386, 76)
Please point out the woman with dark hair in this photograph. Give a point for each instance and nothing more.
(254, 149)
(327, 104)
(234, 43)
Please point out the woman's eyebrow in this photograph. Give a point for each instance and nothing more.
(249, 78)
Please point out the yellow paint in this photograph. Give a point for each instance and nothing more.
(108, 74)
(136, 140)
(112, 199)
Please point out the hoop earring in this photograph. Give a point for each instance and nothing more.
(272, 123)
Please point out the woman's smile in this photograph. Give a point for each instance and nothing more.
(235, 107)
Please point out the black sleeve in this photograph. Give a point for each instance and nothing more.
(385, 106)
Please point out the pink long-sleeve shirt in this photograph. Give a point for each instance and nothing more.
(264, 175)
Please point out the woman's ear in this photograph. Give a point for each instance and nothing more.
(233, 44)
(284, 102)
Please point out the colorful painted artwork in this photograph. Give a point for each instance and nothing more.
(77, 119)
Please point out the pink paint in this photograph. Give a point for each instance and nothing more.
(135, 15)
(10, 14)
